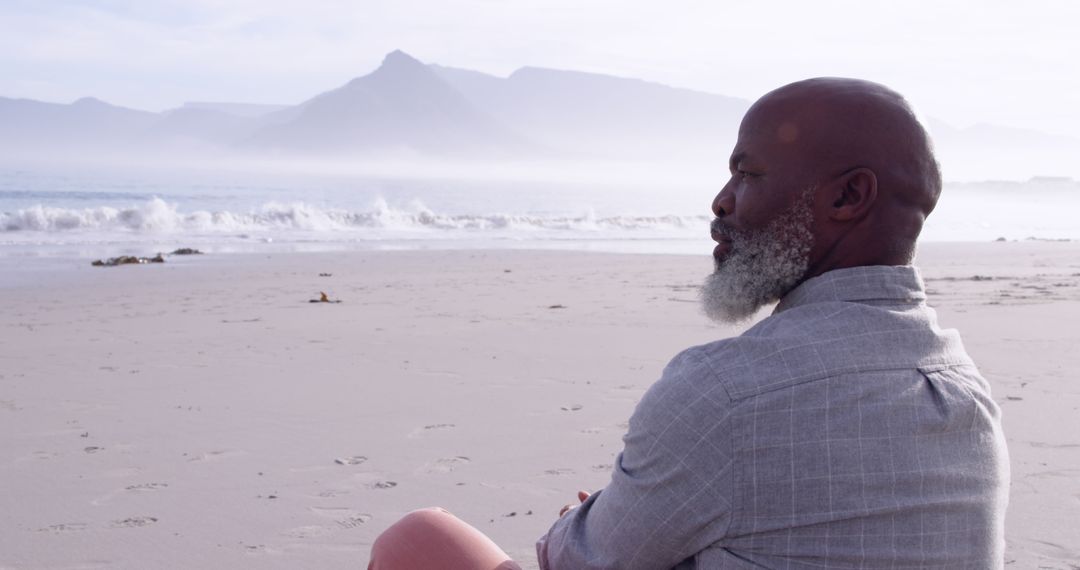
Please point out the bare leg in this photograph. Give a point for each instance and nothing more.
(433, 538)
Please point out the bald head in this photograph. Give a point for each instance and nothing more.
(841, 123)
(860, 145)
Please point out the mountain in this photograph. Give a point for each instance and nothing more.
(988, 135)
(405, 107)
(198, 129)
(603, 115)
(985, 151)
(401, 106)
(408, 107)
(86, 123)
(251, 110)
(91, 126)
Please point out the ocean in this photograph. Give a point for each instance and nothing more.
(102, 212)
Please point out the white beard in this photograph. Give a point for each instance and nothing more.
(762, 266)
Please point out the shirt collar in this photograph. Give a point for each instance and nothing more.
(900, 283)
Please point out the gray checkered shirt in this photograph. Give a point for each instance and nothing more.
(844, 431)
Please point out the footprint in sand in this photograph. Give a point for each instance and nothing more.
(354, 460)
(445, 464)
(420, 431)
(64, 527)
(1064, 473)
(1044, 445)
(571, 407)
(133, 522)
(146, 487)
(344, 517)
(382, 485)
(142, 487)
(331, 493)
(353, 522)
(559, 471)
(603, 467)
(212, 455)
(1054, 550)
(307, 531)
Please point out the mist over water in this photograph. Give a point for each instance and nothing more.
(114, 212)
(105, 212)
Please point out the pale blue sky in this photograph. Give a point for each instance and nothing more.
(963, 61)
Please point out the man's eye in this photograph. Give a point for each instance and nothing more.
(744, 174)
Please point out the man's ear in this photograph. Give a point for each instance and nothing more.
(856, 192)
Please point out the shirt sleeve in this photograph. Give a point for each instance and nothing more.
(670, 493)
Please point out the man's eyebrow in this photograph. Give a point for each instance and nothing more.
(735, 159)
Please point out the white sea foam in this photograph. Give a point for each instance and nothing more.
(38, 213)
(156, 216)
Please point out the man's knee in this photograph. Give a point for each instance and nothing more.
(434, 538)
(400, 539)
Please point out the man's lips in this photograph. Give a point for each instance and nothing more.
(723, 242)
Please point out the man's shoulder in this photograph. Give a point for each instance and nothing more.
(691, 373)
(820, 341)
(738, 363)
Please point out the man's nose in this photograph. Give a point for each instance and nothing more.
(724, 203)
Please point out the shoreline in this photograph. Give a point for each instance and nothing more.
(28, 266)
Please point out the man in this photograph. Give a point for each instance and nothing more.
(846, 430)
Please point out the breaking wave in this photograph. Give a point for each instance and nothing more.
(156, 216)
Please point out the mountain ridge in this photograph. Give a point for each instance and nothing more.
(410, 108)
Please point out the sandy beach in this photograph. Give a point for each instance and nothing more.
(202, 413)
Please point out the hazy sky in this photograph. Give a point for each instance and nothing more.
(963, 61)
